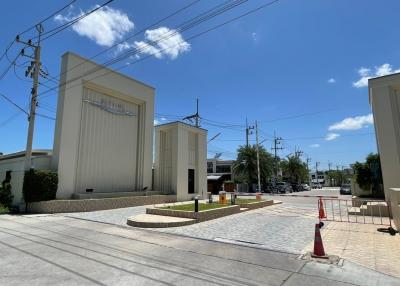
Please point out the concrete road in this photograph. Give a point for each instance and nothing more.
(56, 250)
(309, 197)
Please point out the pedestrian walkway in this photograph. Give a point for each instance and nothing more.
(362, 244)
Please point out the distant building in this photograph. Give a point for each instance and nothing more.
(218, 171)
(321, 178)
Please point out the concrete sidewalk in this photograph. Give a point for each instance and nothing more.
(54, 250)
(363, 244)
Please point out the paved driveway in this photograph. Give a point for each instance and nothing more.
(286, 227)
(56, 250)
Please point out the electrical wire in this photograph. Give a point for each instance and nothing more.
(187, 25)
(64, 26)
(13, 103)
(32, 27)
(48, 17)
(130, 37)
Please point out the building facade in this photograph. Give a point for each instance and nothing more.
(218, 171)
(103, 140)
(384, 97)
(180, 160)
(104, 130)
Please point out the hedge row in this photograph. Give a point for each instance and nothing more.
(39, 185)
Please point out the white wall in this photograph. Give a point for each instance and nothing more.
(78, 76)
(180, 147)
(16, 165)
(384, 96)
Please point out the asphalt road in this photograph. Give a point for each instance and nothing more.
(57, 250)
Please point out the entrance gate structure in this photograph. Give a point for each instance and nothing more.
(354, 211)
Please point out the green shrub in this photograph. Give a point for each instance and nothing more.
(6, 197)
(4, 209)
(39, 185)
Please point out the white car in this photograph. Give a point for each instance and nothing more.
(305, 187)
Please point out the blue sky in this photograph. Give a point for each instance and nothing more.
(298, 67)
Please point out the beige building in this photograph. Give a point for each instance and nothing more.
(384, 97)
(180, 160)
(104, 130)
(103, 141)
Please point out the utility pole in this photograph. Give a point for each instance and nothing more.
(277, 141)
(33, 71)
(248, 132)
(197, 113)
(298, 153)
(308, 170)
(316, 172)
(329, 166)
(195, 116)
(258, 160)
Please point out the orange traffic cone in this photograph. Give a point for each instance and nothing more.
(319, 251)
(321, 209)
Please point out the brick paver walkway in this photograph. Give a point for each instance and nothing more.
(363, 244)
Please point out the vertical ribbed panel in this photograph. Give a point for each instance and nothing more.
(165, 161)
(107, 144)
(192, 150)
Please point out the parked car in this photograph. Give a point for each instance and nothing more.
(345, 189)
(268, 188)
(316, 186)
(283, 187)
(296, 187)
(305, 187)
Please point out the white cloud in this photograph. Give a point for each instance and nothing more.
(105, 26)
(156, 122)
(353, 123)
(163, 119)
(315, 145)
(254, 36)
(162, 42)
(365, 74)
(123, 46)
(331, 136)
(331, 80)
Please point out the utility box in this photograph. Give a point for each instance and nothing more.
(180, 165)
(222, 198)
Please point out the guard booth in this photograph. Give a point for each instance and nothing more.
(180, 165)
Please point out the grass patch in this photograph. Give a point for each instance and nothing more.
(246, 201)
(190, 207)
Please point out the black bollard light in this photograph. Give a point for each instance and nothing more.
(196, 204)
(210, 198)
(233, 198)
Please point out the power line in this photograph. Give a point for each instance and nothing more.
(207, 17)
(32, 27)
(13, 103)
(48, 17)
(64, 26)
(131, 36)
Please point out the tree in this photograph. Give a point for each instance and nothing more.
(338, 177)
(369, 175)
(245, 166)
(294, 170)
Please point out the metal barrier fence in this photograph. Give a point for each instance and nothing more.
(355, 211)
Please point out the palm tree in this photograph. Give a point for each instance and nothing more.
(294, 169)
(245, 166)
